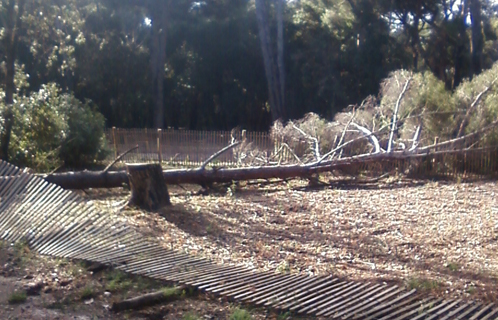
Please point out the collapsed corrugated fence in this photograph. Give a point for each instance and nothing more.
(60, 223)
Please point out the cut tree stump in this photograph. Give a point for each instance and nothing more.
(148, 187)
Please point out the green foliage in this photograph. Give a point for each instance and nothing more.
(52, 128)
(240, 314)
(284, 315)
(453, 266)
(191, 316)
(170, 292)
(17, 297)
(118, 281)
(87, 293)
(422, 284)
(336, 54)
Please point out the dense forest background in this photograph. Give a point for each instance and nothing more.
(217, 64)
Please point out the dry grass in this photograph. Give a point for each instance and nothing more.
(435, 237)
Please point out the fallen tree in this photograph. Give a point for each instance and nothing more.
(203, 177)
(374, 136)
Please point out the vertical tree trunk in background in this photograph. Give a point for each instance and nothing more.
(415, 42)
(271, 70)
(280, 51)
(158, 58)
(10, 41)
(477, 37)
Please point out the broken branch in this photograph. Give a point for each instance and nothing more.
(315, 140)
(370, 136)
(219, 153)
(395, 115)
(416, 139)
(119, 158)
(452, 141)
(472, 107)
(344, 132)
(149, 299)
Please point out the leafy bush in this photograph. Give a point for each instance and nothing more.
(240, 314)
(425, 104)
(52, 128)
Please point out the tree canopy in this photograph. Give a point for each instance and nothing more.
(217, 64)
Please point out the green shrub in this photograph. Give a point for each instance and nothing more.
(17, 297)
(52, 128)
(240, 314)
(87, 293)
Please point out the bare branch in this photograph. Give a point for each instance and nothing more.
(286, 146)
(344, 132)
(452, 141)
(321, 161)
(315, 140)
(119, 158)
(416, 139)
(217, 154)
(370, 136)
(472, 107)
(395, 115)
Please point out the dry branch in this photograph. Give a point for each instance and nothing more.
(472, 107)
(315, 141)
(395, 115)
(416, 139)
(370, 136)
(344, 133)
(147, 300)
(118, 158)
(286, 146)
(219, 153)
(453, 141)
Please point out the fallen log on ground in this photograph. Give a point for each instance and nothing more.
(149, 299)
(201, 176)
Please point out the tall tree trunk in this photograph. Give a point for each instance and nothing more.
(477, 43)
(158, 58)
(280, 50)
(269, 62)
(415, 42)
(10, 41)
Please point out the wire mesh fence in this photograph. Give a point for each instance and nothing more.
(182, 147)
(192, 148)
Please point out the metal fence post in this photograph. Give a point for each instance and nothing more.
(114, 141)
(159, 153)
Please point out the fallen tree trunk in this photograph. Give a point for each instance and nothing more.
(200, 176)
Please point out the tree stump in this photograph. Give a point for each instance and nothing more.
(148, 188)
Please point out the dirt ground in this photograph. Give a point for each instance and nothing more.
(434, 236)
(65, 290)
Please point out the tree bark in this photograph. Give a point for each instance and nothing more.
(280, 51)
(477, 37)
(271, 72)
(10, 42)
(148, 188)
(158, 58)
(199, 176)
(147, 300)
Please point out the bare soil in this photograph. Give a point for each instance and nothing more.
(435, 236)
